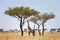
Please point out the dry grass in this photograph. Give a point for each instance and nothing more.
(17, 36)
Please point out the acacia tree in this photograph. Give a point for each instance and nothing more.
(21, 13)
(44, 18)
(35, 19)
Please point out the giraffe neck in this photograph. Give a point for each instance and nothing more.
(29, 26)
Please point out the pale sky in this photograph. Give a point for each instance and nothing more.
(8, 22)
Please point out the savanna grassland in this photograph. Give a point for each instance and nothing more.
(17, 36)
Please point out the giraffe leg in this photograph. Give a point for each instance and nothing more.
(39, 33)
(33, 33)
(29, 33)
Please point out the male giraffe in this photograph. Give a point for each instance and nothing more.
(30, 30)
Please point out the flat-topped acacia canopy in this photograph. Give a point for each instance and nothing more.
(21, 11)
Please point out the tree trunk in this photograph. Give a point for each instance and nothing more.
(39, 30)
(42, 28)
(21, 27)
(21, 31)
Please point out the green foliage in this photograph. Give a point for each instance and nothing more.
(21, 11)
(46, 16)
(34, 19)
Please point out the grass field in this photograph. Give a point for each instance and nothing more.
(17, 36)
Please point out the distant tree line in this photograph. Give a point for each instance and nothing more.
(25, 30)
(55, 30)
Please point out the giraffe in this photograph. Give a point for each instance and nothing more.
(30, 30)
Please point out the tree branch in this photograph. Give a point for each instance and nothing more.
(37, 23)
(17, 18)
(18, 15)
(23, 21)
